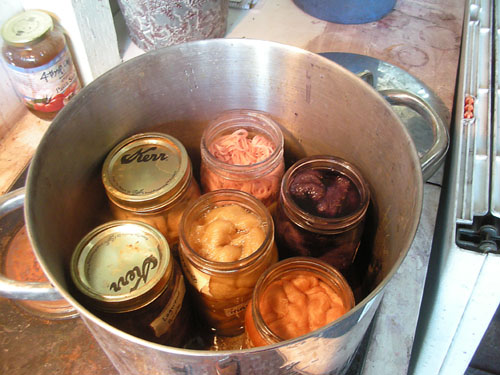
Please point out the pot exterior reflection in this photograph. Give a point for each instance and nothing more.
(322, 108)
(343, 339)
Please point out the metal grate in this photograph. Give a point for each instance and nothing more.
(478, 194)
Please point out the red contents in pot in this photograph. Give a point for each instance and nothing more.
(325, 193)
(298, 304)
(21, 263)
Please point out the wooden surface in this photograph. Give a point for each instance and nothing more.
(421, 37)
(18, 146)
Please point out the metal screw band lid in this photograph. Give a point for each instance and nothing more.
(121, 265)
(26, 27)
(146, 172)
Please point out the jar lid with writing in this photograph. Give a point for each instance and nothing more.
(146, 172)
(121, 266)
(26, 27)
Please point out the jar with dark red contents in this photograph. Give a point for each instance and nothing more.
(294, 297)
(125, 274)
(39, 62)
(321, 211)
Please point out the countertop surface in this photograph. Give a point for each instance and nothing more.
(420, 37)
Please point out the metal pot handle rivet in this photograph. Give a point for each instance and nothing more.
(228, 366)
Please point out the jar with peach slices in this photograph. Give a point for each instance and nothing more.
(294, 297)
(226, 243)
(148, 177)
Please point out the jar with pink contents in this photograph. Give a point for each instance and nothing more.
(243, 150)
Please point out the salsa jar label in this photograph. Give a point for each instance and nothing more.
(47, 88)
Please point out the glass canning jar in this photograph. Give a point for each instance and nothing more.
(39, 62)
(321, 211)
(236, 154)
(226, 243)
(294, 297)
(148, 177)
(124, 272)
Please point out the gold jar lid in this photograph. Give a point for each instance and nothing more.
(121, 266)
(146, 171)
(26, 27)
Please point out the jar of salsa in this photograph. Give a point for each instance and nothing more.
(226, 243)
(125, 274)
(294, 297)
(148, 177)
(321, 211)
(243, 150)
(39, 62)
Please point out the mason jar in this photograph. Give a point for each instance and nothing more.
(321, 211)
(226, 243)
(148, 177)
(294, 297)
(39, 62)
(243, 150)
(124, 273)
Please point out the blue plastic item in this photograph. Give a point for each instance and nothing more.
(347, 11)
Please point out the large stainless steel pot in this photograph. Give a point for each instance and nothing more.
(323, 108)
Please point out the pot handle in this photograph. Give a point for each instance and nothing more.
(18, 289)
(432, 159)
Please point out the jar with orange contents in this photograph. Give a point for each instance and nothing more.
(294, 297)
(39, 62)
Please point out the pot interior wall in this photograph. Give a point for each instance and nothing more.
(321, 107)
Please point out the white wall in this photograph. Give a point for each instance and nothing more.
(11, 107)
